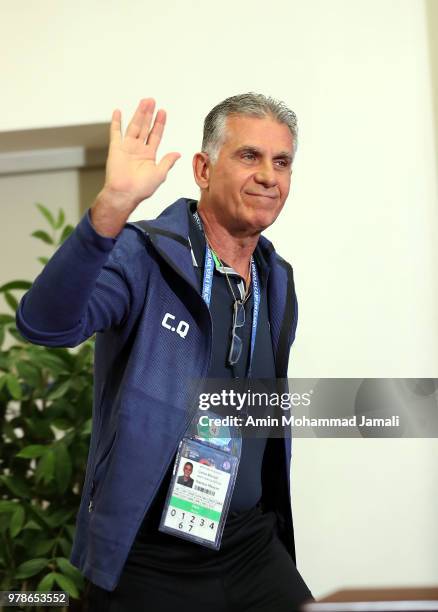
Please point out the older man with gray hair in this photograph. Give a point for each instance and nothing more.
(197, 292)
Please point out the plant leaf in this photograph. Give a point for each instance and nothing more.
(46, 583)
(61, 219)
(4, 319)
(11, 301)
(62, 424)
(18, 486)
(32, 451)
(32, 525)
(86, 428)
(7, 506)
(16, 335)
(59, 391)
(69, 570)
(59, 516)
(13, 386)
(68, 229)
(30, 568)
(17, 521)
(39, 427)
(43, 547)
(47, 214)
(67, 584)
(63, 467)
(65, 546)
(18, 284)
(40, 515)
(46, 467)
(49, 360)
(29, 373)
(70, 530)
(44, 236)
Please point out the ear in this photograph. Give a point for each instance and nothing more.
(201, 169)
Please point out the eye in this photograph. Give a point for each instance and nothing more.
(248, 155)
(283, 163)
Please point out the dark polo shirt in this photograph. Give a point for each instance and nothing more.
(221, 309)
(248, 488)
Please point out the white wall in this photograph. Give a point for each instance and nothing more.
(360, 226)
(68, 189)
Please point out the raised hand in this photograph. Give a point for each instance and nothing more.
(132, 172)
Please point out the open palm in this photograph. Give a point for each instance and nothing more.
(131, 167)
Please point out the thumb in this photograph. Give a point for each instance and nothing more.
(168, 162)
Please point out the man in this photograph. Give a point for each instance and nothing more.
(185, 478)
(143, 288)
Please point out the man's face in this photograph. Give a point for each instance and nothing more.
(249, 183)
(187, 471)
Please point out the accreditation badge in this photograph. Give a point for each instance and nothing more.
(203, 480)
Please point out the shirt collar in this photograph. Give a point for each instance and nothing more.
(197, 244)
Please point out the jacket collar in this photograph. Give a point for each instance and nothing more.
(169, 234)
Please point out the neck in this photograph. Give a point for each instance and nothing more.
(233, 249)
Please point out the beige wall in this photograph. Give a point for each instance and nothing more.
(360, 225)
(432, 27)
(73, 190)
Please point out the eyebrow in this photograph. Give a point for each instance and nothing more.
(252, 149)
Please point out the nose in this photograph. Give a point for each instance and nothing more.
(266, 176)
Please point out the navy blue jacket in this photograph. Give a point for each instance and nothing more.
(122, 288)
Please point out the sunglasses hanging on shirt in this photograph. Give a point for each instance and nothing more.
(211, 259)
(236, 346)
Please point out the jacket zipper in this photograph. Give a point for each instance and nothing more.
(91, 502)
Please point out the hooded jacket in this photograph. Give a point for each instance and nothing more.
(136, 291)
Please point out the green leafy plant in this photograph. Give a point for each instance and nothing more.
(45, 410)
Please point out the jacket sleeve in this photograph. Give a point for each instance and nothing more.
(81, 290)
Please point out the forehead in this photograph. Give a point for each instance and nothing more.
(261, 132)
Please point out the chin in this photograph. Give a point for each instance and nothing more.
(262, 221)
(262, 216)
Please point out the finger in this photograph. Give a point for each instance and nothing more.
(168, 162)
(141, 117)
(115, 127)
(153, 137)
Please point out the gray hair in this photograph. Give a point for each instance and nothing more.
(250, 105)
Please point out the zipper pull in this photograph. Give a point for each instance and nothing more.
(91, 503)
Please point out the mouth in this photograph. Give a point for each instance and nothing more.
(262, 195)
